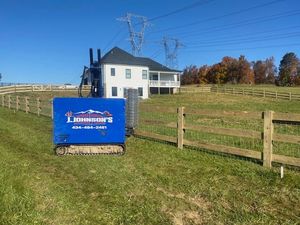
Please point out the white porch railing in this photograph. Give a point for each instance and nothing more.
(163, 83)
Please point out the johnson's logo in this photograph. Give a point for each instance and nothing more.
(89, 117)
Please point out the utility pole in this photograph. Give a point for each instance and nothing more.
(136, 38)
(171, 53)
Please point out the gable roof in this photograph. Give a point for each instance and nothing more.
(119, 56)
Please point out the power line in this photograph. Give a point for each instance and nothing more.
(113, 39)
(220, 17)
(231, 26)
(255, 38)
(199, 3)
(246, 40)
(156, 54)
(243, 23)
(242, 49)
(225, 38)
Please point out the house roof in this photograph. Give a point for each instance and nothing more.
(119, 56)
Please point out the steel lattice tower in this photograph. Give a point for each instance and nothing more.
(136, 38)
(171, 54)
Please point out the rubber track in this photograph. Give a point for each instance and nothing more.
(96, 150)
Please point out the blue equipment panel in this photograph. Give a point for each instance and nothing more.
(88, 121)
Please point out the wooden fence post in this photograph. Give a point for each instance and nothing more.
(17, 103)
(38, 106)
(264, 93)
(276, 94)
(180, 127)
(9, 101)
(27, 109)
(268, 136)
(290, 96)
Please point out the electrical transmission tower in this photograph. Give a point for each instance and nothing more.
(136, 38)
(171, 46)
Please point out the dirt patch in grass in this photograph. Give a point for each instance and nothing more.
(198, 201)
(179, 217)
(187, 217)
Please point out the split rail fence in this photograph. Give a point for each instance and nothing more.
(37, 88)
(201, 89)
(10, 99)
(265, 136)
(27, 104)
(263, 93)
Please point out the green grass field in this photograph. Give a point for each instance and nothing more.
(153, 183)
(210, 101)
(220, 102)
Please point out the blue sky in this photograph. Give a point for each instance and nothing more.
(47, 41)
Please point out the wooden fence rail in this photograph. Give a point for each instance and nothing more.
(267, 136)
(37, 88)
(257, 93)
(28, 105)
(267, 156)
(203, 89)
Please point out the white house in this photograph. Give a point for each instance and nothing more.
(122, 70)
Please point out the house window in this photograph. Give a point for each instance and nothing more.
(114, 91)
(154, 77)
(113, 72)
(140, 91)
(145, 74)
(128, 73)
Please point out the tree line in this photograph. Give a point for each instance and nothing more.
(241, 71)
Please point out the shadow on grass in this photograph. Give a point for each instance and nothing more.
(207, 151)
(221, 154)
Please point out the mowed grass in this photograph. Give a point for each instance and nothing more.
(221, 101)
(217, 101)
(209, 101)
(153, 183)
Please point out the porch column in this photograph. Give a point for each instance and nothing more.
(159, 83)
